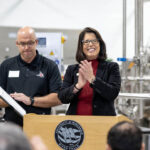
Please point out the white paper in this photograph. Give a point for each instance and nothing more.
(13, 74)
(10, 101)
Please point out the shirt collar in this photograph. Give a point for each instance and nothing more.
(34, 62)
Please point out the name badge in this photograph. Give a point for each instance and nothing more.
(13, 74)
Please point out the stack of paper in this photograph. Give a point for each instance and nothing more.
(10, 101)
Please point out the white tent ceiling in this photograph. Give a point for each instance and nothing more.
(105, 16)
(60, 13)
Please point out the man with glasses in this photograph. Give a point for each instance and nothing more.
(31, 79)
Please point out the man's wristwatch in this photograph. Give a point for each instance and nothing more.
(32, 101)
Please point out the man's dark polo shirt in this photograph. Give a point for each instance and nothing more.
(38, 78)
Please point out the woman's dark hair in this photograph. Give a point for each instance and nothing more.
(80, 55)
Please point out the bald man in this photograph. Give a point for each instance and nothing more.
(31, 79)
(125, 136)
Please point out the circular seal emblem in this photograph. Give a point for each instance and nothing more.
(69, 135)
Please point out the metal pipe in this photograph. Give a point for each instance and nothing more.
(124, 45)
(141, 53)
(124, 29)
(136, 28)
(139, 46)
(139, 96)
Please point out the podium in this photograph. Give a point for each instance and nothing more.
(71, 132)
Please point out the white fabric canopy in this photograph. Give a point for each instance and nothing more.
(105, 16)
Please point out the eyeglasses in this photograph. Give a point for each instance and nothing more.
(87, 42)
(29, 44)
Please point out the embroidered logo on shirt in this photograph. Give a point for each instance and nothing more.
(40, 74)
